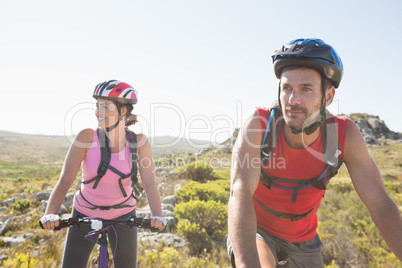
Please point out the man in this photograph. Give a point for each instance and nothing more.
(285, 156)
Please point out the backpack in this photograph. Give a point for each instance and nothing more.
(331, 152)
(104, 166)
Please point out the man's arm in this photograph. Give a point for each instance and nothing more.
(245, 174)
(369, 186)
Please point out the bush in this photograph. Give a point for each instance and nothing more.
(21, 205)
(168, 257)
(221, 184)
(196, 236)
(393, 187)
(203, 192)
(197, 171)
(21, 260)
(209, 216)
(222, 174)
(343, 185)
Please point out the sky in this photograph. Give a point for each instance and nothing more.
(200, 67)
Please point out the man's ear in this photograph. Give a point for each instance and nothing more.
(329, 95)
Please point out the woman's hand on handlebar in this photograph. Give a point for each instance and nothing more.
(50, 221)
(158, 222)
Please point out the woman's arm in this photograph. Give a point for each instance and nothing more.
(71, 166)
(146, 168)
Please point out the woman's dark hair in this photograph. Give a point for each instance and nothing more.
(131, 119)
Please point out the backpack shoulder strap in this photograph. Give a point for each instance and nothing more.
(104, 146)
(274, 126)
(330, 142)
(133, 145)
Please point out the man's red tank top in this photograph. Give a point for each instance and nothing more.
(290, 163)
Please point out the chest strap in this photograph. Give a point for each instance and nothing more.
(282, 215)
(319, 183)
(117, 206)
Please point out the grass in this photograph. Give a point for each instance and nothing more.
(349, 236)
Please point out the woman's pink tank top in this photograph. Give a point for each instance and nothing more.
(107, 192)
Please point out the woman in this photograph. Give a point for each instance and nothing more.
(105, 191)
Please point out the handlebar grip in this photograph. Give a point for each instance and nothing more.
(62, 224)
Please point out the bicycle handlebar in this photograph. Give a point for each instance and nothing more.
(78, 221)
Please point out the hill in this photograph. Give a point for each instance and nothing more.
(29, 148)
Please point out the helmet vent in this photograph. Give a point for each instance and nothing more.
(109, 87)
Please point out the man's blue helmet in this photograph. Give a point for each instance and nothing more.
(311, 53)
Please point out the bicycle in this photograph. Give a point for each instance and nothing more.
(100, 228)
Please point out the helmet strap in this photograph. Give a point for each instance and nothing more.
(108, 129)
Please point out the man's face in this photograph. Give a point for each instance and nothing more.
(300, 96)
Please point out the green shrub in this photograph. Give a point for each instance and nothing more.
(196, 236)
(21, 260)
(393, 187)
(343, 185)
(21, 205)
(222, 174)
(197, 171)
(221, 184)
(210, 216)
(168, 257)
(203, 192)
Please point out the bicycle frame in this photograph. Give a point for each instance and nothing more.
(103, 257)
(99, 234)
(103, 253)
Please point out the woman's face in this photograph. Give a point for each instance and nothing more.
(106, 113)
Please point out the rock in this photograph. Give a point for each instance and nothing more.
(171, 199)
(161, 186)
(22, 196)
(144, 214)
(16, 239)
(27, 219)
(393, 135)
(2, 259)
(224, 149)
(169, 207)
(6, 223)
(68, 201)
(376, 124)
(374, 130)
(43, 204)
(42, 196)
(177, 187)
(3, 208)
(159, 169)
(172, 174)
(8, 201)
(62, 210)
(168, 239)
(167, 213)
(3, 227)
(362, 124)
